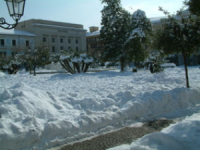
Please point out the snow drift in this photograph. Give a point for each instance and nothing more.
(49, 110)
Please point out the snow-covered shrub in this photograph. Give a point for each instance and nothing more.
(73, 61)
(10, 65)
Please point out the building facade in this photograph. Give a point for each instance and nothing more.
(57, 36)
(15, 41)
(95, 46)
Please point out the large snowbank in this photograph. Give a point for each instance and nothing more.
(183, 135)
(48, 110)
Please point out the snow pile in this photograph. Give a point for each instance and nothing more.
(47, 110)
(2, 74)
(183, 135)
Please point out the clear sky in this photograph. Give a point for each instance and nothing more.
(86, 12)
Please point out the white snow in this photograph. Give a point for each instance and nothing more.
(39, 112)
(168, 65)
(15, 32)
(183, 135)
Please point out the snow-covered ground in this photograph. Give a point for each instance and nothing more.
(42, 111)
(184, 135)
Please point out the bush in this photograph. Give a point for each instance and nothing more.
(134, 70)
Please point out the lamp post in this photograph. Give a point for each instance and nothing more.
(16, 11)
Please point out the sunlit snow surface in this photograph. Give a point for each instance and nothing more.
(48, 110)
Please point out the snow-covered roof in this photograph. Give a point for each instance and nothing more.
(93, 33)
(57, 26)
(16, 32)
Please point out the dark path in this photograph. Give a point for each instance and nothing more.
(123, 136)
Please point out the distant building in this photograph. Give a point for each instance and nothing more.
(95, 46)
(57, 36)
(15, 41)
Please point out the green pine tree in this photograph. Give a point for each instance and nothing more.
(138, 37)
(114, 23)
(194, 6)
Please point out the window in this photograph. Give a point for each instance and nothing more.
(77, 49)
(69, 41)
(76, 41)
(61, 48)
(69, 48)
(53, 49)
(13, 42)
(61, 40)
(44, 39)
(13, 54)
(2, 54)
(2, 42)
(53, 40)
(27, 43)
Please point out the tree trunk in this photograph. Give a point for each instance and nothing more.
(122, 63)
(186, 69)
(65, 64)
(83, 66)
(76, 65)
(86, 67)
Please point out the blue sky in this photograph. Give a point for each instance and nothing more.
(86, 12)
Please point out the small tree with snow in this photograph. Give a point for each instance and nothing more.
(74, 62)
(39, 58)
(115, 21)
(179, 33)
(137, 41)
(10, 65)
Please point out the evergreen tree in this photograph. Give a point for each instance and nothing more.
(138, 37)
(179, 33)
(114, 23)
(194, 6)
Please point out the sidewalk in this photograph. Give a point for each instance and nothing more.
(122, 136)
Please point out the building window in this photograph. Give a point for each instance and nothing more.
(2, 42)
(13, 54)
(61, 40)
(69, 48)
(2, 54)
(61, 48)
(53, 40)
(13, 42)
(44, 39)
(53, 49)
(76, 41)
(69, 41)
(27, 43)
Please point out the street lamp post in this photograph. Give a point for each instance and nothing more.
(16, 11)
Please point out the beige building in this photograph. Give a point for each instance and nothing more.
(57, 36)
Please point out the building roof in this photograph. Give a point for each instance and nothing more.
(16, 32)
(92, 33)
(57, 26)
(53, 23)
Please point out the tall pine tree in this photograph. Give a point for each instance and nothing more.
(114, 23)
(137, 41)
(194, 6)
